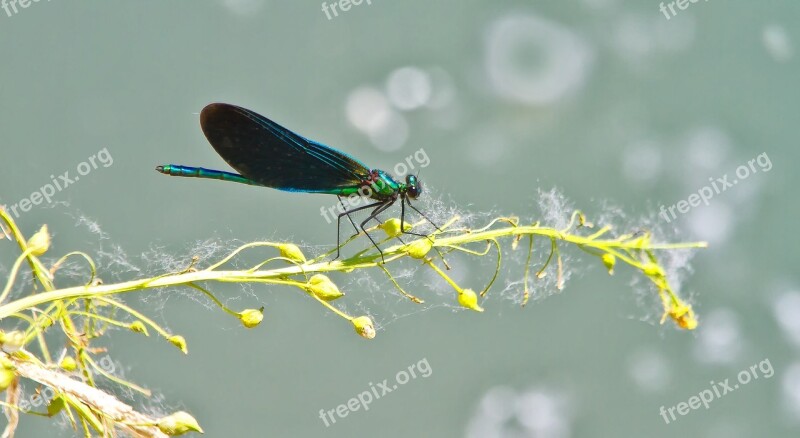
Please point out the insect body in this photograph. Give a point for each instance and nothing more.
(267, 154)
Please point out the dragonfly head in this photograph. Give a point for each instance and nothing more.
(413, 187)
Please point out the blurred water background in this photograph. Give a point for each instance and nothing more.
(609, 101)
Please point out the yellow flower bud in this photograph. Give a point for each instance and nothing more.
(68, 364)
(251, 318)
(392, 227)
(653, 270)
(40, 242)
(139, 327)
(6, 363)
(683, 315)
(322, 286)
(7, 377)
(292, 252)
(180, 342)
(12, 341)
(609, 260)
(178, 424)
(6, 373)
(418, 249)
(469, 299)
(364, 327)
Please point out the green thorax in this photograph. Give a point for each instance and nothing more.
(384, 186)
(379, 186)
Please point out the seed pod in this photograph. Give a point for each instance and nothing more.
(292, 252)
(364, 327)
(251, 318)
(40, 242)
(322, 286)
(178, 424)
(469, 299)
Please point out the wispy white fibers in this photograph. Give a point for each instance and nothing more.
(371, 292)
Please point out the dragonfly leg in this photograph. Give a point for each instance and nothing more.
(339, 221)
(403, 220)
(374, 215)
(344, 209)
(402, 227)
(421, 214)
(381, 222)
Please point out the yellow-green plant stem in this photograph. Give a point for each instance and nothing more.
(619, 247)
(94, 305)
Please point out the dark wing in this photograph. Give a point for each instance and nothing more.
(273, 156)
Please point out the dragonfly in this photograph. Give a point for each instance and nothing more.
(266, 154)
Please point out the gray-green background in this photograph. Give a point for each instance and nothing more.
(604, 99)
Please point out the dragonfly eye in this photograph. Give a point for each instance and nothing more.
(413, 187)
